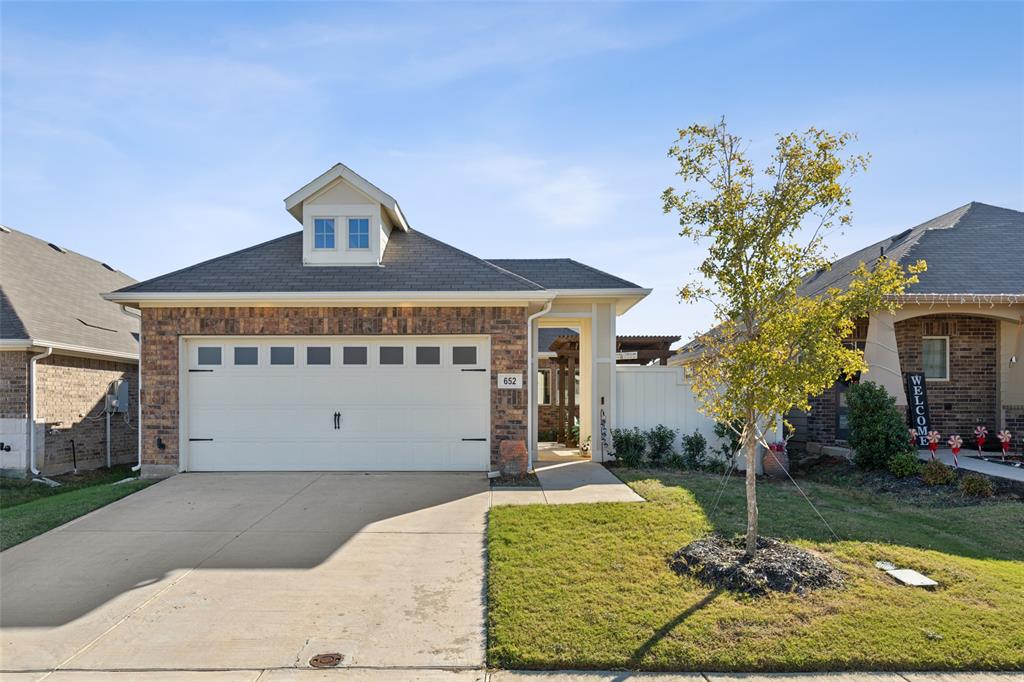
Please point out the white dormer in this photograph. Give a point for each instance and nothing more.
(346, 220)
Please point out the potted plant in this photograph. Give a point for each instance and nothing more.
(776, 462)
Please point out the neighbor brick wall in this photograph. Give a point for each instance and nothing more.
(1014, 416)
(969, 397)
(14, 384)
(69, 400)
(547, 415)
(821, 419)
(161, 328)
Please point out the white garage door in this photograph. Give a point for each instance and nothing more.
(337, 403)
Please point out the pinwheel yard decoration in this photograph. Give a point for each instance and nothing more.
(913, 438)
(955, 442)
(1004, 440)
(933, 441)
(980, 433)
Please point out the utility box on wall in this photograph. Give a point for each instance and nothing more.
(117, 397)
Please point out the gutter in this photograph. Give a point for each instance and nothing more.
(530, 378)
(138, 421)
(321, 297)
(32, 409)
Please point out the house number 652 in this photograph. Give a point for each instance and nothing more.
(510, 381)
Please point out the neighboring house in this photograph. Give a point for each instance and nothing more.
(359, 343)
(559, 352)
(55, 326)
(961, 325)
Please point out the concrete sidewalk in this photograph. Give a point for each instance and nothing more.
(945, 455)
(571, 482)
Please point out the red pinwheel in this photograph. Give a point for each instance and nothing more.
(980, 433)
(933, 441)
(1004, 439)
(955, 442)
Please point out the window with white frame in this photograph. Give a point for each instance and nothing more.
(935, 357)
(544, 387)
(358, 233)
(323, 233)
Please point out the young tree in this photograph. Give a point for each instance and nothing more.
(774, 345)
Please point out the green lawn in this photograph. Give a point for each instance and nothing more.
(587, 586)
(28, 509)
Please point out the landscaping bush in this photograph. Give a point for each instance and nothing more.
(903, 464)
(976, 485)
(660, 440)
(935, 472)
(731, 439)
(695, 451)
(547, 435)
(629, 446)
(878, 431)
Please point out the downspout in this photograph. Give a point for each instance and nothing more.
(530, 378)
(138, 422)
(32, 409)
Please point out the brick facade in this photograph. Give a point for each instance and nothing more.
(69, 407)
(970, 396)
(161, 328)
(821, 419)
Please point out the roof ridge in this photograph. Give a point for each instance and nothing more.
(102, 264)
(208, 261)
(482, 260)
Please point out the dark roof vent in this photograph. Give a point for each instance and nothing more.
(55, 247)
(108, 267)
(901, 235)
(5, 229)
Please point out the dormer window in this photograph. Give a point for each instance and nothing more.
(358, 233)
(323, 233)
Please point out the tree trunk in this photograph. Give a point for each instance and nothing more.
(750, 446)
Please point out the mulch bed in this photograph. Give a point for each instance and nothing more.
(776, 566)
(516, 481)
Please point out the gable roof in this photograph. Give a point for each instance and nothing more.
(293, 203)
(973, 249)
(412, 262)
(546, 336)
(52, 296)
(562, 273)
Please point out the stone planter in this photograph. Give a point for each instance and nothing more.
(775, 463)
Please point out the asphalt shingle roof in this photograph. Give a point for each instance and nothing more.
(974, 249)
(56, 296)
(562, 273)
(412, 261)
(547, 335)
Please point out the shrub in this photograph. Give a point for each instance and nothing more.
(877, 429)
(903, 464)
(935, 472)
(976, 485)
(629, 446)
(731, 439)
(547, 435)
(660, 440)
(676, 461)
(695, 450)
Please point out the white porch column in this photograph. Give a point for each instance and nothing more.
(586, 370)
(603, 389)
(882, 355)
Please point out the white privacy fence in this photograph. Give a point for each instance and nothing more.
(648, 396)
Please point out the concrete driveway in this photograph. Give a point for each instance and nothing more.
(256, 571)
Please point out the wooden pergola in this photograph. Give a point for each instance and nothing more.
(629, 350)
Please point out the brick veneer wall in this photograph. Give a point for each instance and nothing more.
(547, 415)
(969, 397)
(161, 328)
(70, 397)
(821, 419)
(14, 384)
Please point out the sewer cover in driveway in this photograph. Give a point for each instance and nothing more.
(326, 660)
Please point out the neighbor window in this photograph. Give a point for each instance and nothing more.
(428, 355)
(358, 233)
(323, 233)
(247, 355)
(464, 355)
(392, 355)
(353, 355)
(282, 355)
(544, 387)
(318, 355)
(208, 355)
(935, 357)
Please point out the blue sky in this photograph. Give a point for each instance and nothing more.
(153, 136)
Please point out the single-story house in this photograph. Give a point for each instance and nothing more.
(359, 343)
(63, 349)
(961, 325)
(558, 361)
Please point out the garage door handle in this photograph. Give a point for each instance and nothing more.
(474, 439)
(198, 440)
(200, 370)
(474, 370)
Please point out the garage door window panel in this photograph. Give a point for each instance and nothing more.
(355, 355)
(392, 355)
(464, 355)
(282, 355)
(208, 356)
(318, 355)
(246, 356)
(428, 356)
